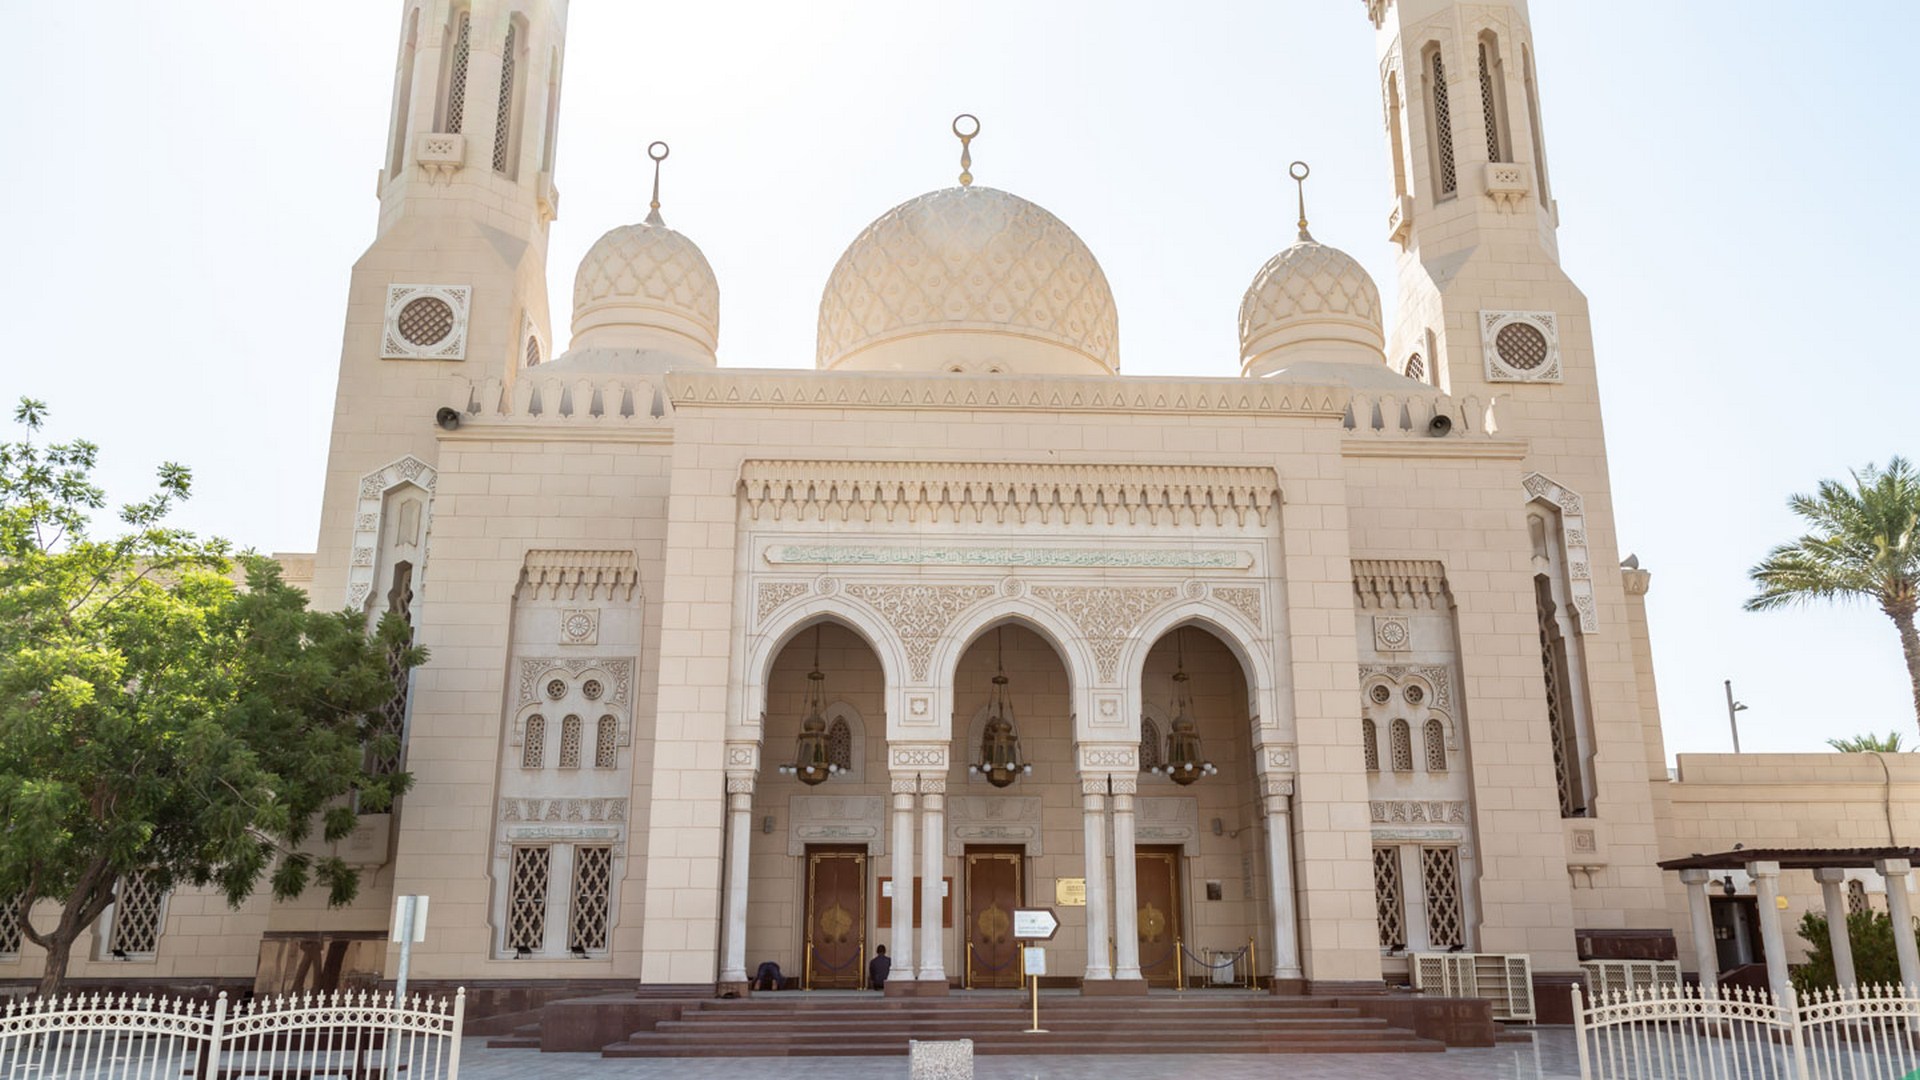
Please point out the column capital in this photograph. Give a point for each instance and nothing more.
(739, 783)
(1124, 785)
(917, 757)
(1893, 868)
(1695, 877)
(1279, 787)
(933, 785)
(1763, 868)
(1830, 875)
(908, 785)
(1093, 785)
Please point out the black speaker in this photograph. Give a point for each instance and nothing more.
(448, 418)
(1440, 426)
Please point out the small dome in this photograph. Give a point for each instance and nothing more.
(647, 287)
(1310, 303)
(1021, 291)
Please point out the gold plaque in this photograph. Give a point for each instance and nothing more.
(1070, 891)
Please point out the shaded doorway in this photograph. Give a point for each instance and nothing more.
(1736, 932)
(994, 888)
(835, 947)
(1157, 893)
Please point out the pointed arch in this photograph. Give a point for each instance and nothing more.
(1234, 630)
(791, 622)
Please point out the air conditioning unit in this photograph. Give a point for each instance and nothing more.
(1506, 979)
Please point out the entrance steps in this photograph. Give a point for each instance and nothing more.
(830, 1024)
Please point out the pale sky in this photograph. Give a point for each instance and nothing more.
(189, 184)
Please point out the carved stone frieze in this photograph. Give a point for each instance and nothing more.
(919, 614)
(1400, 584)
(563, 810)
(772, 595)
(836, 819)
(995, 819)
(1392, 633)
(930, 756)
(817, 554)
(580, 575)
(1438, 676)
(535, 670)
(367, 521)
(1116, 756)
(1243, 599)
(1418, 811)
(1107, 615)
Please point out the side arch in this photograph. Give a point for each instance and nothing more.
(791, 623)
(1246, 646)
(973, 625)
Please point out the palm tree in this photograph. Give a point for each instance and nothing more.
(1868, 744)
(1865, 545)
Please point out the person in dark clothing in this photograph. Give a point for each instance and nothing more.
(768, 977)
(879, 968)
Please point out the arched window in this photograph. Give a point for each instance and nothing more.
(1416, 368)
(840, 745)
(533, 749)
(1149, 745)
(570, 735)
(403, 95)
(1402, 737)
(1493, 100)
(1533, 126)
(1435, 735)
(1370, 745)
(1560, 714)
(606, 742)
(1446, 182)
(506, 123)
(453, 98)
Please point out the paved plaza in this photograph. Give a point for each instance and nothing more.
(1549, 1056)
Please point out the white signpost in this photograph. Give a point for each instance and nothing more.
(409, 926)
(1035, 924)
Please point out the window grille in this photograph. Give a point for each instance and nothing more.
(533, 352)
(12, 914)
(1857, 903)
(606, 741)
(1556, 714)
(840, 745)
(503, 116)
(527, 898)
(392, 716)
(1416, 368)
(1370, 745)
(1487, 107)
(1443, 127)
(1436, 739)
(457, 73)
(1149, 745)
(592, 889)
(570, 742)
(533, 754)
(1386, 897)
(1402, 738)
(136, 916)
(1440, 873)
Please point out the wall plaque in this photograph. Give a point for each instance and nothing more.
(1070, 891)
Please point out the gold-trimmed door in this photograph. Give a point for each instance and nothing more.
(836, 926)
(1157, 895)
(994, 888)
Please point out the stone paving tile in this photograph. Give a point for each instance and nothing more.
(1549, 1057)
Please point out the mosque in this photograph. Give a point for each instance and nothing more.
(1318, 663)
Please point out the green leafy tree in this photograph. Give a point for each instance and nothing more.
(1874, 960)
(1864, 545)
(1868, 744)
(157, 717)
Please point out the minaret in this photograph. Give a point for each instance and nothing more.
(1484, 309)
(454, 283)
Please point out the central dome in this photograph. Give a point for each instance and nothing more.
(968, 279)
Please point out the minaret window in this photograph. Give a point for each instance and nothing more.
(1436, 745)
(1560, 716)
(1446, 180)
(1493, 100)
(403, 95)
(1416, 368)
(506, 140)
(454, 101)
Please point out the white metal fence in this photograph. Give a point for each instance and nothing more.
(347, 1035)
(1668, 1033)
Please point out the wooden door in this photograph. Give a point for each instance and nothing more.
(1157, 896)
(836, 927)
(994, 889)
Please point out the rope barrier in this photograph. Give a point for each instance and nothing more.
(995, 968)
(824, 966)
(1231, 961)
(1163, 958)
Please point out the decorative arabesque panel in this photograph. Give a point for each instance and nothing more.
(1440, 875)
(527, 898)
(1386, 897)
(592, 889)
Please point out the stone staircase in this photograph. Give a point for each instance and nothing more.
(820, 1024)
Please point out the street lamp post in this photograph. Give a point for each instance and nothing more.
(1734, 708)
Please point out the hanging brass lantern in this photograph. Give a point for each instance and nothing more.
(1184, 762)
(999, 745)
(811, 761)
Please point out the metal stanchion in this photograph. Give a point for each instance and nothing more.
(806, 979)
(1253, 964)
(1179, 965)
(966, 977)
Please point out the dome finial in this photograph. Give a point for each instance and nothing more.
(658, 151)
(966, 154)
(1299, 171)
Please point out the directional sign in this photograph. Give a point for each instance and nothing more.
(1035, 924)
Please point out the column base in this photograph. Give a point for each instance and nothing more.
(1287, 985)
(728, 988)
(1113, 988)
(900, 988)
(934, 987)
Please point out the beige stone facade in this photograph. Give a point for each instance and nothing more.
(1382, 557)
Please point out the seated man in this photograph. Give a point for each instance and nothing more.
(879, 968)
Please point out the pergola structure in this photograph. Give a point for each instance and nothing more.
(1829, 866)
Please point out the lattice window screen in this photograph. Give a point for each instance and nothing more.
(1149, 745)
(1556, 717)
(136, 916)
(592, 888)
(1416, 368)
(1443, 127)
(1370, 745)
(840, 745)
(1857, 903)
(1435, 736)
(606, 742)
(12, 913)
(570, 735)
(503, 116)
(533, 754)
(1487, 107)
(1386, 898)
(1440, 873)
(457, 73)
(1402, 739)
(527, 898)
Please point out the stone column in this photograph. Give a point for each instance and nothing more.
(1093, 794)
(1126, 917)
(901, 946)
(933, 860)
(1900, 909)
(1286, 943)
(1766, 892)
(733, 962)
(1705, 957)
(1831, 878)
